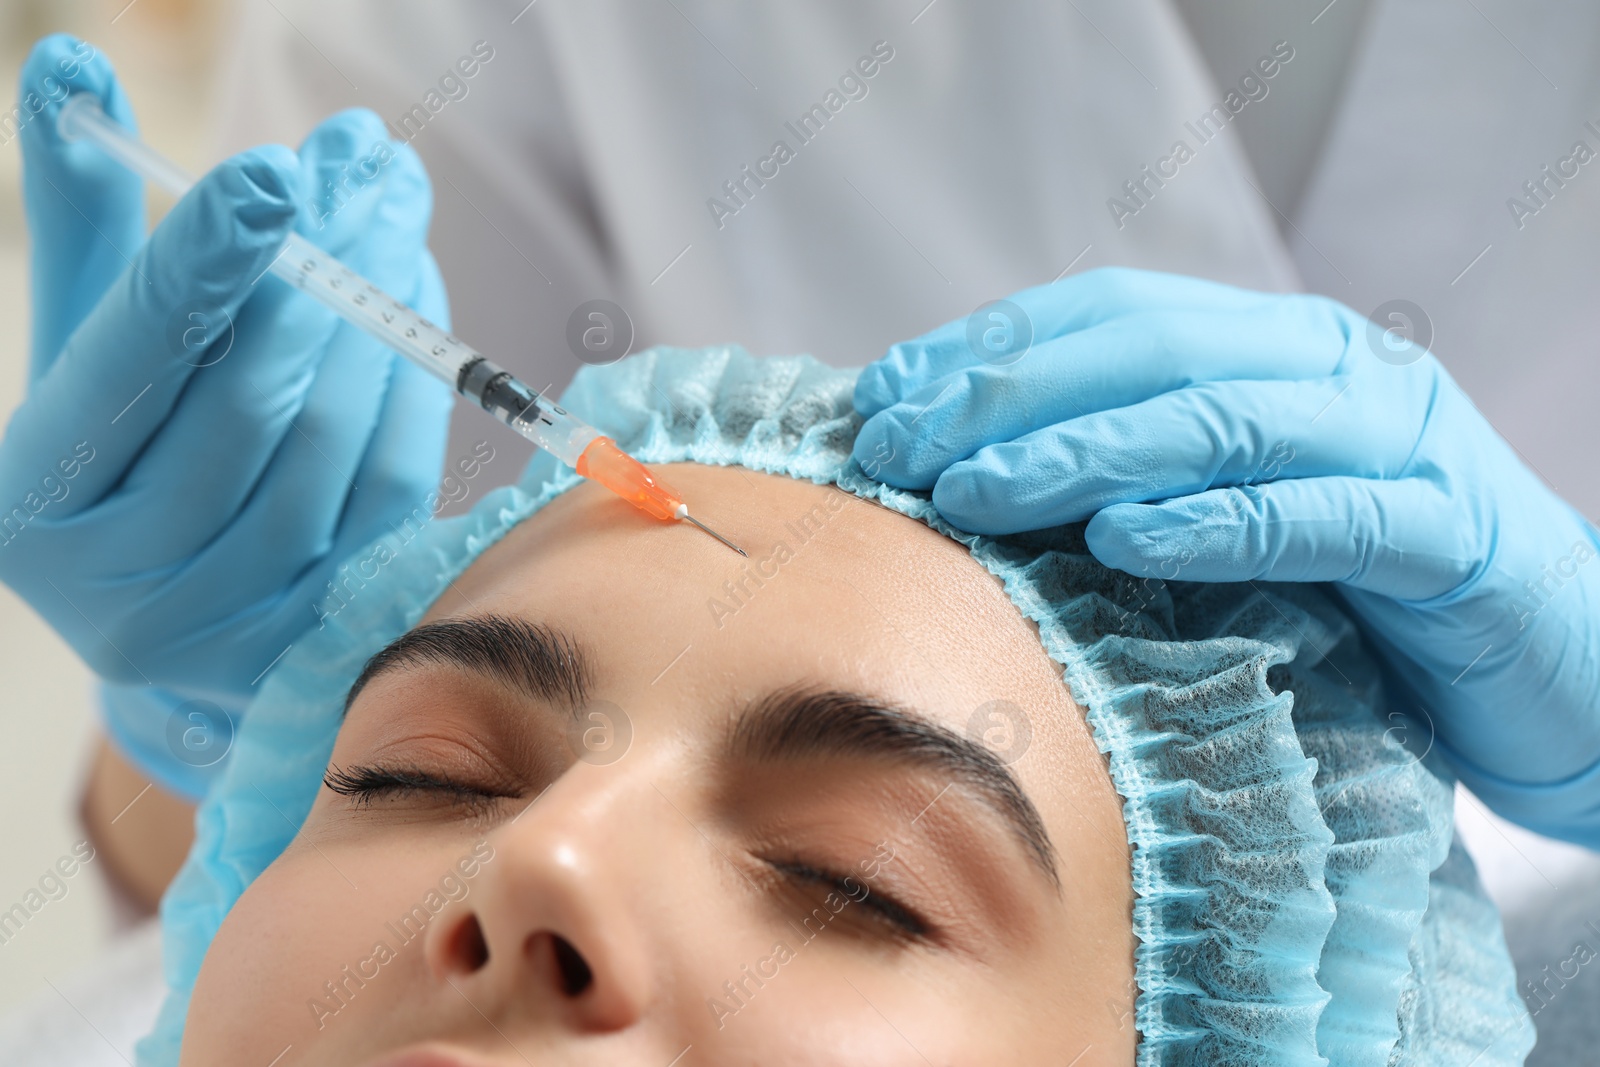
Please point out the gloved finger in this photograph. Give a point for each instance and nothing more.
(1043, 313)
(243, 405)
(301, 504)
(1205, 436)
(118, 378)
(85, 212)
(397, 474)
(1401, 537)
(406, 452)
(1118, 363)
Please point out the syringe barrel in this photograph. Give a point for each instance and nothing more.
(354, 298)
(466, 370)
(360, 302)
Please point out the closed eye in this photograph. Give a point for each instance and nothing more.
(859, 893)
(364, 785)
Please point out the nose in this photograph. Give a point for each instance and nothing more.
(554, 926)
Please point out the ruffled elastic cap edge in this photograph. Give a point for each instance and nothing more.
(1284, 842)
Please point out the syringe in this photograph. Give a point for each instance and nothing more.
(358, 301)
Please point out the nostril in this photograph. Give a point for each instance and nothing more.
(468, 947)
(575, 974)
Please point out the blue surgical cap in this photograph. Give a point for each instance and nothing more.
(1300, 898)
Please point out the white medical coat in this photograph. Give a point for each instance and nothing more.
(584, 160)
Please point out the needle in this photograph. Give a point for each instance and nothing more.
(713, 533)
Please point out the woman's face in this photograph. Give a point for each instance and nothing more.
(626, 797)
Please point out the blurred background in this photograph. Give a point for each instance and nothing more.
(167, 53)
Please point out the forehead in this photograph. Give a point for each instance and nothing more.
(835, 591)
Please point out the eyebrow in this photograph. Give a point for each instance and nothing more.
(800, 723)
(540, 662)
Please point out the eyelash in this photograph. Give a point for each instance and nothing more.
(367, 784)
(364, 785)
(907, 923)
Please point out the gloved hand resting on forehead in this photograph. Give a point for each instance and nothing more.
(200, 445)
(1217, 435)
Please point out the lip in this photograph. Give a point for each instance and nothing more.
(425, 1056)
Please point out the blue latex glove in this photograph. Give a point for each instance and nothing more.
(176, 491)
(1218, 435)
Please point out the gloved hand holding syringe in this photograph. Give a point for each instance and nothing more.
(392, 322)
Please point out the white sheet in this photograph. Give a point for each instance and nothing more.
(94, 1017)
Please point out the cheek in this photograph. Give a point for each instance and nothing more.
(830, 1005)
(831, 999)
(265, 962)
(279, 971)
